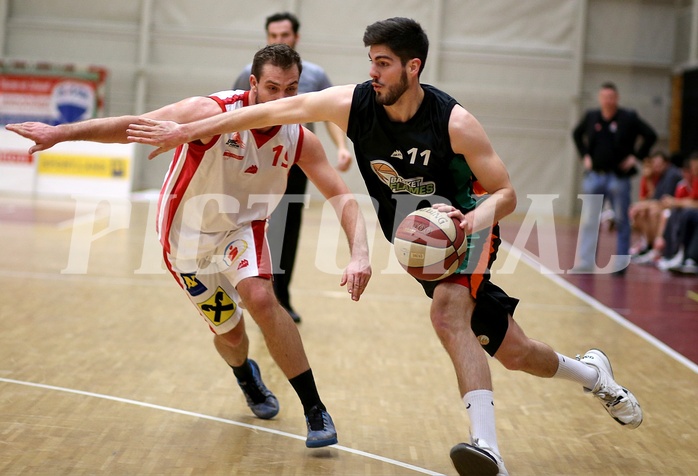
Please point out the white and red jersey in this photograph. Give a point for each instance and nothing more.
(226, 184)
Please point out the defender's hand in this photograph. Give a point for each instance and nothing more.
(43, 135)
(356, 277)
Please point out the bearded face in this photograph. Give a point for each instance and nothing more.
(391, 94)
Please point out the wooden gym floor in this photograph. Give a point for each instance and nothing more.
(105, 367)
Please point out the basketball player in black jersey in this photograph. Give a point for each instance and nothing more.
(416, 145)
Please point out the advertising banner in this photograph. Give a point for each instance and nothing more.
(51, 94)
(58, 94)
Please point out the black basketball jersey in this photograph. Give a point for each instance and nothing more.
(408, 165)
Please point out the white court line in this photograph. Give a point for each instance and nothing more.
(219, 420)
(528, 258)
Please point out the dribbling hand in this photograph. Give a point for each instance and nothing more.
(453, 212)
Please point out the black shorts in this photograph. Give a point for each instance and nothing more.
(490, 319)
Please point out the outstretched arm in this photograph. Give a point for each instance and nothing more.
(331, 104)
(314, 163)
(109, 129)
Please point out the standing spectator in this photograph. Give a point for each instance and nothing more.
(606, 139)
(285, 222)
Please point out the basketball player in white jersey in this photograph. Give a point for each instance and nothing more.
(285, 223)
(212, 215)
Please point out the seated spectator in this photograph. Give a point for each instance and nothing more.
(659, 179)
(689, 263)
(678, 228)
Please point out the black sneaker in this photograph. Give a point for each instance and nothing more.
(270, 406)
(477, 458)
(321, 431)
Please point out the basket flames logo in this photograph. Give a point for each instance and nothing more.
(389, 176)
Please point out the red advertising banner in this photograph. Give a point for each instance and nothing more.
(8, 157)
(53, 94)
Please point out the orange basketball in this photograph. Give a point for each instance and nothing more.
(429, 244)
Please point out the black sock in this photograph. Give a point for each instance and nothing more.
(304, 385)
(244, 372)
(245, 379)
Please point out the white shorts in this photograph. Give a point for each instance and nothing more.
(210, 280)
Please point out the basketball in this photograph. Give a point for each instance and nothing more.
(429, 244)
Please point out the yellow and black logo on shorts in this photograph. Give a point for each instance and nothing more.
(218, 308)
(194, 286)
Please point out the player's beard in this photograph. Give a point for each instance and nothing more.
(393, 93)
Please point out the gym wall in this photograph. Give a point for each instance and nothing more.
(525, 69)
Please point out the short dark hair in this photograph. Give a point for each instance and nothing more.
(609, 85)
(660, 153)
(404, 36)
(280, 55)
(295, 24)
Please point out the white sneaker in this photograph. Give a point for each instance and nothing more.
(665, 264)
(639, 247)
(618, 401)
(688, 267)
(646, 258)
(477, 458)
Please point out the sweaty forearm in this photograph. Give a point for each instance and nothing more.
(237, 120)
(107, 130)
(271, 113)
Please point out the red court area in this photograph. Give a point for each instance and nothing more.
(661, 303)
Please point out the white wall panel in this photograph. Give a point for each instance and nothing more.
(122, 11)
(683, 35)
(545, 25)
(631, 30)
(513, 63)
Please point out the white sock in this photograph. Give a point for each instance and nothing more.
(576, 371)
(480, 406)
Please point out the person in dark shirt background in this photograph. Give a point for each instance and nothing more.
(607, 140)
